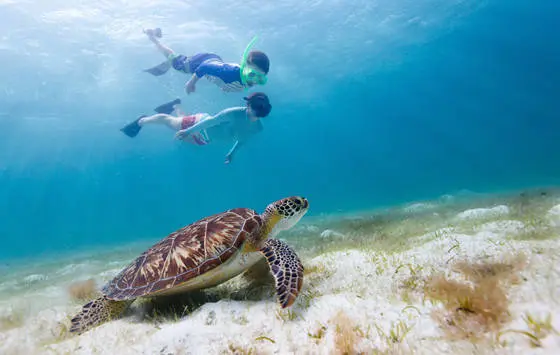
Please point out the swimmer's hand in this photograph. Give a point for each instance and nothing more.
(228, 159)
(181, 134)
(190, 86)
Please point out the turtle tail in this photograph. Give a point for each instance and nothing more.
(96, 312)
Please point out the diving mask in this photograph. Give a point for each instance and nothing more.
(248, 74)
(254, 76)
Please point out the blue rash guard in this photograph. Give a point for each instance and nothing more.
(227, 76)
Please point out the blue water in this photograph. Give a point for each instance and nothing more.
(374, 104)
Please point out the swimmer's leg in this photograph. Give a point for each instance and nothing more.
(161, 118)
(162, 68)
(132, 129)
(154, 35)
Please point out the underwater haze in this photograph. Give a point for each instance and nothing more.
(375, 103)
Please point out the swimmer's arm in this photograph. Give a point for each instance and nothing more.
(211, 121)
(233, 149)
(204, 123)
(238, 143)
(203, 69)
(190, 86)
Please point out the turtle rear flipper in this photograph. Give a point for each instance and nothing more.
(286, 268)
(96, 312)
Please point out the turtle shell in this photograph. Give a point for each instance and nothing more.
(185, 254)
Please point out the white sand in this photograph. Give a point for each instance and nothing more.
(360, 291)
(484, 212)
(554, 216)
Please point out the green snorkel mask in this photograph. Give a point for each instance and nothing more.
(248, 73)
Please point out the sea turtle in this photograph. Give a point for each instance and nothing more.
(204, 254)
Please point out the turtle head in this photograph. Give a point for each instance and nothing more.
(284, 214)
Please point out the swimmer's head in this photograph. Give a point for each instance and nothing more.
(258, 105)
(257, 68)
(259, 60)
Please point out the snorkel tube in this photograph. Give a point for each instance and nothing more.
(243, 70)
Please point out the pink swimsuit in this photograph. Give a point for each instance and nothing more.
(197, 138)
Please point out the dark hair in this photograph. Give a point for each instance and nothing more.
(259, 103)
(260, 60)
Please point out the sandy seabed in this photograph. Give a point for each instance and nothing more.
(481, 277)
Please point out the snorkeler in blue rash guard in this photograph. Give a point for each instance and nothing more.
(228, 76)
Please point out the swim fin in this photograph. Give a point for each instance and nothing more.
(156, 32)
(159, 69)
(132, 128)
(168, 107)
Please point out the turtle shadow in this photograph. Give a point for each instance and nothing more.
(256, 284)
(164, 309)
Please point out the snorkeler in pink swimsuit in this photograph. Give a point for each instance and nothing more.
(236, 124)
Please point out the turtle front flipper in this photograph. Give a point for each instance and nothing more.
(96, 312)
(286, 268)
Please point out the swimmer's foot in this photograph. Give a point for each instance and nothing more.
(153, 32)
(132, 128)
(168, 107)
